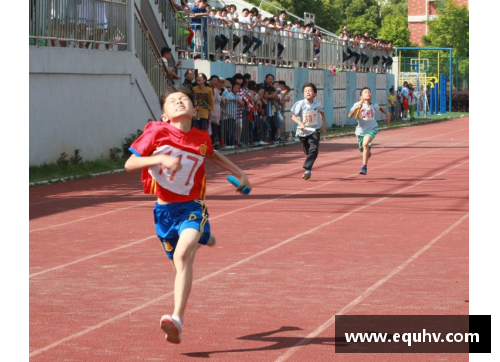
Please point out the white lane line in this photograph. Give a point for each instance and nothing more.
(230, 212)
(366, 293)
(255, 178)
(243, 261)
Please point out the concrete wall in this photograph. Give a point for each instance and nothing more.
(87, 100)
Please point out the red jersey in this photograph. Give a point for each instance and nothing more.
(188, 182)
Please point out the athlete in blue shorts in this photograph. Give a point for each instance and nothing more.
(171, 155)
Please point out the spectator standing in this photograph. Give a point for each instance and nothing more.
(199, 26)
(270, 95)
(204, 102)
(189, 77)
(215, 84)
(391, 101)
(170, 65)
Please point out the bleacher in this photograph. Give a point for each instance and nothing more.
(106, 37)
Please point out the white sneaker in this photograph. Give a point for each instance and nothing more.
(172, 329)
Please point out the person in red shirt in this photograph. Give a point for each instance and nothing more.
(172, 156)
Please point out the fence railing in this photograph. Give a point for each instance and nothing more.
(78, 23)
(285, 48)
(239, 128)
(149, 55)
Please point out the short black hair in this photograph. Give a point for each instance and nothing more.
(310, 85)
(170, 90)
(165, 50)
(361, 91)
(252, 85)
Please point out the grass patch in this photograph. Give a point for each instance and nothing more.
(85, 169)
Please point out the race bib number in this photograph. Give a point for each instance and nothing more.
(180, 181)
(310, 118)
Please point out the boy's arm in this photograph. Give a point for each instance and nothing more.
(224, 162)
(387, 115)
(323, 121)
(299, 123)
(135, 163)
(354, 109)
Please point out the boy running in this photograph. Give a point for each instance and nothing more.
(306, 114)
(367, 127)
(171, 156)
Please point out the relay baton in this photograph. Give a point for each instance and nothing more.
(236, 183)
(357, 112)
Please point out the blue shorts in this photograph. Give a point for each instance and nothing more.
(172, 219)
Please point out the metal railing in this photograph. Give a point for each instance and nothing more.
(149, 54)
(246, 130)
(282, 48)
(78, 23)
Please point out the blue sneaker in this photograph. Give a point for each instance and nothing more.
(363, 170)
(306, 175)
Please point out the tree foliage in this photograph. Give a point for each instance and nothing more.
(395, 29)
(450, 29)
(387, 21)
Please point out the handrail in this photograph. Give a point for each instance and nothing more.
(155, 47)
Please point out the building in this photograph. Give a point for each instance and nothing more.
(420, 11)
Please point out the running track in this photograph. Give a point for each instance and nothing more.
(290, 256)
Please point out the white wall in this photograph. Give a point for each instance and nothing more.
(85, 99)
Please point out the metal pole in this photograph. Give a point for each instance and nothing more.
(436, 94)
(130, 26)
(431, 107)
(451, 87)
(418, 84)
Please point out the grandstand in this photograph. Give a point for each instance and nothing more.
(96, 71)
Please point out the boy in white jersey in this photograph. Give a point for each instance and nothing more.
(367, 128)
(306, 114)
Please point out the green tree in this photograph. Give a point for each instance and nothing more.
(395, 29)
(450, 29)
(394, 8)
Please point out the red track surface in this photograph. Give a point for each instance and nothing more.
(289, 257)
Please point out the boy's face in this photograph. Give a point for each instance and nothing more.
(309, 93)
(366, 94)
(177, 107)
(236, 88)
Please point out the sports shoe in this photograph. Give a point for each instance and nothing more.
(363, 170)
(171, 328)
(306, 175)
(211, 240)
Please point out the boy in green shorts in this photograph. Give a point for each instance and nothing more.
(367, 128)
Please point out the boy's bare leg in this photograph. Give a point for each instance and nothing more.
(366, 148)
(183, 261)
